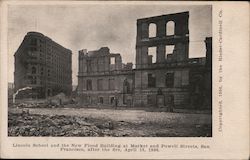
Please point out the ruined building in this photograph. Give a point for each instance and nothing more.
(44, 65)
(103, 78)
(164, 74)
(168, 73)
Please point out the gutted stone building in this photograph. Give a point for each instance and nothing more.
(44, 65)
(170, 78)
(169, 72)
(164, 74)
(103, 79)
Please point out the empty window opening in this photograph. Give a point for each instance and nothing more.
(33, 80)
(152, 54)
(112, 60)
(101, 100)
(169, 80)
(126, 87)
(151, 99)
(112, 100)
(169, 49)
(151, 80)
(100, 84)
(111, 84)
(89, 66)
(33, 70)
(170, 28)
(33, 41)
(152, 30)
(49, 92)
(89, 84)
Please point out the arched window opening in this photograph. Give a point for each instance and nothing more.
(152, 30)
(170, 28)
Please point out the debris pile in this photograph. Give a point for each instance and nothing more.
(25, 124)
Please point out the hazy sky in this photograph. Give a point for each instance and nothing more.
(93, 26)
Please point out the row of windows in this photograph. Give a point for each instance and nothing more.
(52, 58)
(100, 99)
(58, 53)
(169, 83)
(152, 51)
(127, 87)
(50, 46)
(100, 85)
(169, 80)
(170, 29)
(58, 75)
(100, 63)
(33, 79)
(112, 100)
(61, 73)
(59, 59)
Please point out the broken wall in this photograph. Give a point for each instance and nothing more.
(180, 38)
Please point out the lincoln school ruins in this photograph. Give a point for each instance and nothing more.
(163, 74)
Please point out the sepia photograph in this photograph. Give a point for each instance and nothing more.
(109, 70)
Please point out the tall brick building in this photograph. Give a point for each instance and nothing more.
(44, 65)
(163, 75)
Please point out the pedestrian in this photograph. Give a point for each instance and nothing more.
(171, 108)
(116, 102)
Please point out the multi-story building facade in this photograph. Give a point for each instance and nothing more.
(43, 65)
(172, 76)
(104, 79)
(163, 75)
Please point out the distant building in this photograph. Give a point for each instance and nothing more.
(44, 65)
(164, 75)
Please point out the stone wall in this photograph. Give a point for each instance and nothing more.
(110, 79)
(170, 80)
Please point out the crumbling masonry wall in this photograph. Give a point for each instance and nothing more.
(146, 95)
(103, 78)
(168, 79)
(180, 38)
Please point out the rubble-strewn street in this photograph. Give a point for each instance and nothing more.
(162, 92)
(106, 122)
